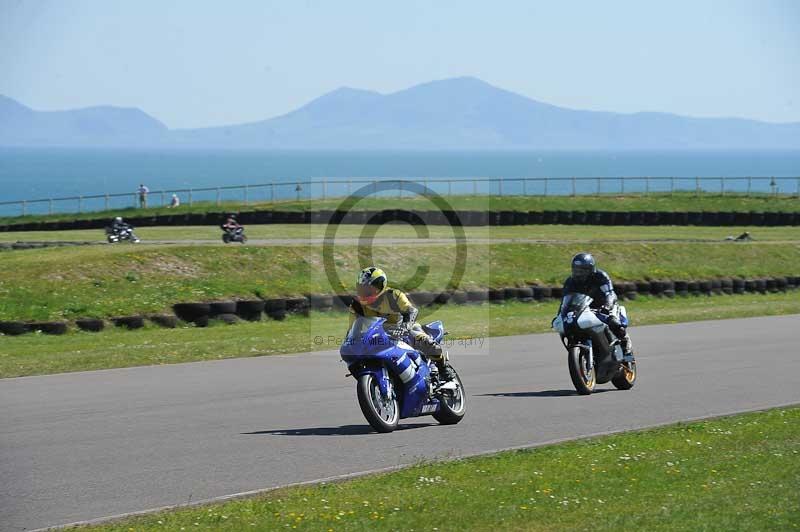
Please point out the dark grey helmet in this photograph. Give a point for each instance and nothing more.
(583, 266)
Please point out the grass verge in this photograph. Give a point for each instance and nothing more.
(102, 281)
(582, 233)
(733, 473)
(677, 202)
(37, 354)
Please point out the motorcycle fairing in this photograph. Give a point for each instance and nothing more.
(368, 349)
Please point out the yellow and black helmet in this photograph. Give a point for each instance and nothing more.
(371, 283)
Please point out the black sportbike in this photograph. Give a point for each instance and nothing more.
(114, 235)
(233, 235)
(594, 354)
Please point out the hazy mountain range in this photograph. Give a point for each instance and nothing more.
(459, 113)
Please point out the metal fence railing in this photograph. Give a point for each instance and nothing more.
(324, 188)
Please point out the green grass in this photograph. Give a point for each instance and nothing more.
(679, 202)
(37, 354)
(102, 281)
(317, 231)
(733, 473)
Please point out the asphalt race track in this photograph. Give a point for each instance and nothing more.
(80, 446)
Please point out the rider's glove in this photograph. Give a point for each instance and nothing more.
(399, 332)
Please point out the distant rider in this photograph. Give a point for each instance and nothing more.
(231, 224)
(375, 298)
(588, 279)
(118, 225)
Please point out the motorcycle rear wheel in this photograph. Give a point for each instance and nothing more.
(626, 377)
(453, 407)
(382, 415)
(583, 380)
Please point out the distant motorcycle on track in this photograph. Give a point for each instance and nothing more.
(395, 381)
(233, 235)
(594, 354)
(114, 235)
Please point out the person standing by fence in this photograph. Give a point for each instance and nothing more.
(175, 202)
(143, 191)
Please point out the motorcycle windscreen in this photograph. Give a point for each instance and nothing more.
(365, 336)
(575, 302)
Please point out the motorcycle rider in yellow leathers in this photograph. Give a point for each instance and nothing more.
(374, 298)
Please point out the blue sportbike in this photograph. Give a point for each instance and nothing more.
(396, 381)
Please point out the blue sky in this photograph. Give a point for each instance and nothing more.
(203, 63)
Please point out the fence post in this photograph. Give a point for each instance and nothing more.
(697, 186)
(162, 199)
(324, 187)
(246, 194)
(646, 186)
(798, 187)
(474, 187)
(671, 186)
(500, 186)
(217, 196)
(573, 186)
(272, 192)
(80, 203)
(24, 207)
(105, 202)
(50, 206)
(598, 187)
(546, 182)
(721, 186)
(622, 186)
(749, 185)
(190, 196)
(449, 188)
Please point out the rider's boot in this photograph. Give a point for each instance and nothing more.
(446, 372)
(627, 345)
(622, 334)
(433, 351)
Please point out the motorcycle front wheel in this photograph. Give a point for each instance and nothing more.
(382, 413)
(453, 406)
(583, 378)
(226, 238)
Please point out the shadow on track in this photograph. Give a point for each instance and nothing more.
(543, 393)
(344, 430)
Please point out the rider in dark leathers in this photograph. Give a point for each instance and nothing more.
(587, 279)
(231, 223)
(118, 225)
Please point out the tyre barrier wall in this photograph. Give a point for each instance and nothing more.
(467, 218)
(200, 314)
